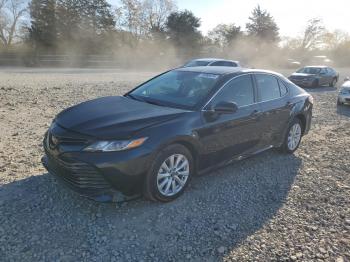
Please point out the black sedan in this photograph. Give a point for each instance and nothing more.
(315, 76)
(183, 122)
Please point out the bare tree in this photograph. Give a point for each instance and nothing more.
(312, 34)
(156, 13)
(131, 12)
(144, 17)
(11, 11)
(332, 39)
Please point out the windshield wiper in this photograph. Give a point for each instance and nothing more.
(135, 98)
(153, 102)
(144, 99)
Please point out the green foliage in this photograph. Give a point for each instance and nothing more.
(262, 26)
(42, 32)
(182, 28)
(76, 22)
(224, 34)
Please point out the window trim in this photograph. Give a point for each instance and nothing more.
(277, 79)
(226, 83)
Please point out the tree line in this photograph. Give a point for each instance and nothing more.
(146, 29)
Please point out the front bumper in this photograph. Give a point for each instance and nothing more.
(101, 176)
(344, 98)
(302, 82)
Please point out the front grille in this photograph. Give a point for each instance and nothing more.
(79, 176)
(70, 140)
(54, 140)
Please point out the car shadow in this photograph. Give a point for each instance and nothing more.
(40, 219)
(343, 110)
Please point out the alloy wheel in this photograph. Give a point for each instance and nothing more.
(294, 136)
(173, 174)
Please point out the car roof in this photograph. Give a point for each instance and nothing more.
(223, 70)
(213, 60)
(346, 84)
(316, 66)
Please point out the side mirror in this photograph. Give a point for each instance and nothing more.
(225, 108)
(346, 79)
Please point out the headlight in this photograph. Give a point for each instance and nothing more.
(119, 145)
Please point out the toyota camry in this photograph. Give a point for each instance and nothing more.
(184, 122)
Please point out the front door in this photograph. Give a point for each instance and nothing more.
(224, 136)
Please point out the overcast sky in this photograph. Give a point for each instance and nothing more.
(290, 15)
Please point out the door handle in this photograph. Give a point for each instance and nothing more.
(256, 113)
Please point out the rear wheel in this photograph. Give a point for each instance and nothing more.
(293, 137)
(315, 83)
(170, 174)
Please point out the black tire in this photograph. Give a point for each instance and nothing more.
(339, 103)
(284, 147)
(315, 83)
(333, 83)
(150, 190)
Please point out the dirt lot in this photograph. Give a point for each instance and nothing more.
(269, 207)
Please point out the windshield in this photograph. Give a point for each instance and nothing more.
(176, 88)
(197, 63)
(309, 70)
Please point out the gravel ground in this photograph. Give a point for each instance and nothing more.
(269, 207)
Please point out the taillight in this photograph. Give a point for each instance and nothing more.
(311, 99)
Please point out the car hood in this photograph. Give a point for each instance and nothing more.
(114, 117)
(346, 84)
(302, 74)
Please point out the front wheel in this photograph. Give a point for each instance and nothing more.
(170, 174)
(333, 83)
(293, 137)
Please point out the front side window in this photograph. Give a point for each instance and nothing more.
(181, 89)
(310, 70)
(239, 90)
(268, 88)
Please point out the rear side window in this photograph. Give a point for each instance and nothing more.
(283, 88)
(197, 63)
(239, 90)
(268, 88)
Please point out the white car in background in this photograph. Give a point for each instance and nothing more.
(344, 93)
(212, 62)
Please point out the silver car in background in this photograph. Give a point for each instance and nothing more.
(344, 93)
(212, 62)
(315, 76)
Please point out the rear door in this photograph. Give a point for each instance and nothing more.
(275, 107)
(324, 76)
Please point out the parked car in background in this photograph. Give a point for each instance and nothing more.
(291, 63)
(185, 121)
(321, 60)
(344, 93)
(212, 62)
(314, 76)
